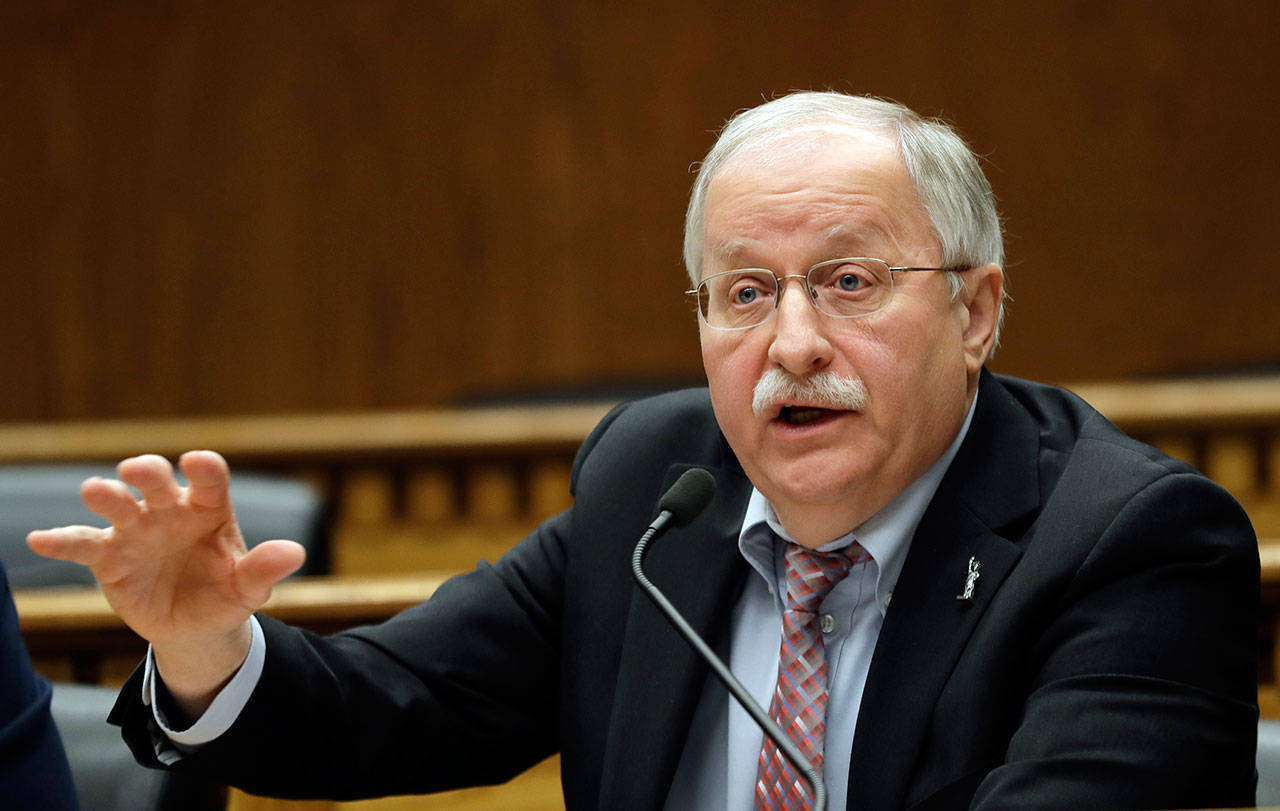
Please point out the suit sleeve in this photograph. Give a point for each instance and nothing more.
(458, 691)
(1143, 683)
(33, 766)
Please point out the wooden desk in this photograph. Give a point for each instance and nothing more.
(1269, 555)
(1214, 402)
(403, 490)
(292, 439)
(75, 623)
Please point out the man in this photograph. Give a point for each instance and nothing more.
(33, 765)
(951, 588)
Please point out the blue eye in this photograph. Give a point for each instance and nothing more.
(746, 295)
(849, 281)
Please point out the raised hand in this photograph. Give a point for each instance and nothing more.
(174, 565)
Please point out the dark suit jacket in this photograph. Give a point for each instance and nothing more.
(33, 765)
(1107, 658)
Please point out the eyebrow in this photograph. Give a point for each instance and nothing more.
(728, 248)
(843, 233)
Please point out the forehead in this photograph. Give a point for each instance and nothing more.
(836, 190)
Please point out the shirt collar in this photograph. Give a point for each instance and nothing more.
(886, 535)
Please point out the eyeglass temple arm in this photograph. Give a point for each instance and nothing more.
(951, 269)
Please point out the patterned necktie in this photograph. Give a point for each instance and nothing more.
(799, 703)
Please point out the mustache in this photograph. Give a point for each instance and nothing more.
(823, 389)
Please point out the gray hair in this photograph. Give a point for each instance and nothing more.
(947, 178)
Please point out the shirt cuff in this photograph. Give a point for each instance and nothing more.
(226, 706)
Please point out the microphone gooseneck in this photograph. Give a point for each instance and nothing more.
(682, 503)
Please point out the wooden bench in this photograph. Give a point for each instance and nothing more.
(439, 488)
(1229, 428)
(430, 489)
(73, 635)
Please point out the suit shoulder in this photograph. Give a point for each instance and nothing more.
(1068, 426)
(655, 430)
(1091, 473)
(683, 403)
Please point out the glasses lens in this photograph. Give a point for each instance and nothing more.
(846, 288)
(737, 299)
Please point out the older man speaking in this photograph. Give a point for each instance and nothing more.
(952, 589)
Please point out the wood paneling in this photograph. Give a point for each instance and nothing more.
(231, 206)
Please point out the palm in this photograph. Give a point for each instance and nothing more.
(173, 565)
(175, 569)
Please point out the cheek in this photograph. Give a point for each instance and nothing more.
(728, 360)
(903, 362)
(868, 350)
(732, 369)
(931, 377)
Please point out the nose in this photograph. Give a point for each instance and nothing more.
(799, 343)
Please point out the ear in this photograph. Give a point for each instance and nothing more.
(981, 298)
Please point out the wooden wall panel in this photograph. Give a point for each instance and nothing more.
(230, 206)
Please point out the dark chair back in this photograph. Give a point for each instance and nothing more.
(1268, 762)
(105, 774)
(40, 496)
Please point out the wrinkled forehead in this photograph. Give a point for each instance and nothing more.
(845, 187)
(841, 237)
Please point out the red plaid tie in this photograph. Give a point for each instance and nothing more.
(799, 703)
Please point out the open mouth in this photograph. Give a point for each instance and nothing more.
(805, 415)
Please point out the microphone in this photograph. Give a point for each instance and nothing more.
(686, 499)
(683, 502)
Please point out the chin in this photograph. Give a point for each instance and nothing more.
(814, 483)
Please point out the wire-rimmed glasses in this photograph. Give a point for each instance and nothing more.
(851, 287)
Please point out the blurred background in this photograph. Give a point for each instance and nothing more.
(292, 230)
(230, 207)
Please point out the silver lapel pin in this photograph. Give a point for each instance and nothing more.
(970, 580)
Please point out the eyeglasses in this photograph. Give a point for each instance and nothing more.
(852, 287)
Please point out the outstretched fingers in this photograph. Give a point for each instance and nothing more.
(82, 544)
(208, 479)
(78, 544)
(152, 475)
(110, 499)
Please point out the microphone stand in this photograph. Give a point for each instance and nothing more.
(762, 719)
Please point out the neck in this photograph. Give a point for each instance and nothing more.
(813, 527)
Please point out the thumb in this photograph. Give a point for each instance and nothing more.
(266, 564)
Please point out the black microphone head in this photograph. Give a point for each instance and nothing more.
(689, 496)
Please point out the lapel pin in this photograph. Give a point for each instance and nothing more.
(970, 580)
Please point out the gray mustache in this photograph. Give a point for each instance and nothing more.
(824, 389)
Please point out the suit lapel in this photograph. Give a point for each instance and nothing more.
(991, 486)
(660, 678)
